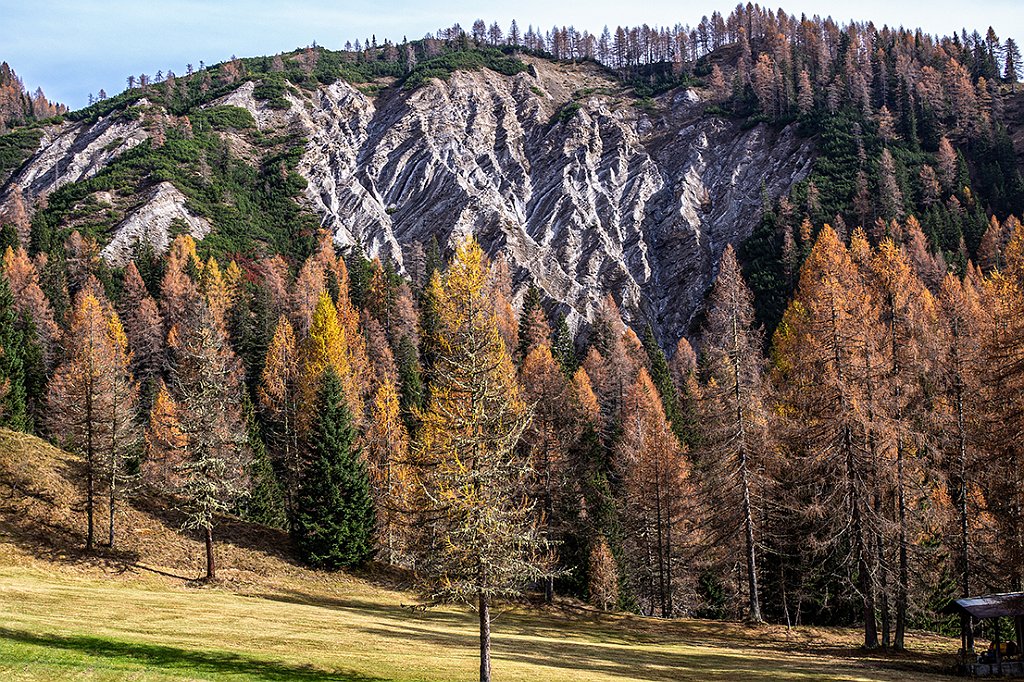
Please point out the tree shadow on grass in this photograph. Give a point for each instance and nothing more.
(202, 663)
(655, 664)
(406, 612)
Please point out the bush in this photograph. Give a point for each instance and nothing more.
(223, 118)
(15, 147)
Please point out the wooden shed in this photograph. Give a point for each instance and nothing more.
(1004, 658)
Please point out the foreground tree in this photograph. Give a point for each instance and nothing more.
(206, 379)
(334, 509)
(485, 542)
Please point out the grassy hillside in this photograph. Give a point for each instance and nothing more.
(134, 614)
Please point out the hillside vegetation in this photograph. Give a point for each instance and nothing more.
(136, 615)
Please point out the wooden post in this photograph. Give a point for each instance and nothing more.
(1018, 626)
(999, 655)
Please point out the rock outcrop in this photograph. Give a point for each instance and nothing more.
(584, 194)
(154, 223)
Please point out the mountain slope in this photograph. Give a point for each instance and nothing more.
(586, 189)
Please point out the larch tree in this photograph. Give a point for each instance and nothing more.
(280, 400)
(82, 398)
(327, 346)
(123, 429)
(603, 573)
(165, 442)
(31, 301)
(656, 490)
(143, 326)
(1003, 394)
(485, 537)
(957, 415)
(206, 380)
(818, 351)
(387, 446)
(906, 309)
(736, 430)
(547, 440)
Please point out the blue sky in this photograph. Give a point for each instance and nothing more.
(72, 48)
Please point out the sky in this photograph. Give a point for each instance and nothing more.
(72, 48)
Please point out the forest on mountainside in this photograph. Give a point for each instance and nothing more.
(834, 441)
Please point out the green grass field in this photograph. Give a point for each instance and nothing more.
(58, 626)
(134, 613)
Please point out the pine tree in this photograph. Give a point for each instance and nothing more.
(563, 347)
(335, 517)
(533, 325)
(485, 542)
(265, 501)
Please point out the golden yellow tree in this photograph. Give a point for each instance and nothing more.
(280, 398)
(327, 346)
(92, 401)
(485, 541)
(387, 450)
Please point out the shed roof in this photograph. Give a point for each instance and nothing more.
(989, 605)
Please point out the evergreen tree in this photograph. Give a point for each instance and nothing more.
(264, 502)
(335, 517)
(563, 347)
(13, 414)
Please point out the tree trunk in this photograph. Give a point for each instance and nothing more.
(485, 639)
(864, 584)
(903, 578)
(211, 566)
(90, 473)
(112, 501)
(90, 495)
(904, 569)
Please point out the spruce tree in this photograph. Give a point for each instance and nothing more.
(265, 500)
(563, 347)
(335, 516)
(12, 374)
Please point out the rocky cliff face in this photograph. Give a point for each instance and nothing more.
(584, 190)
